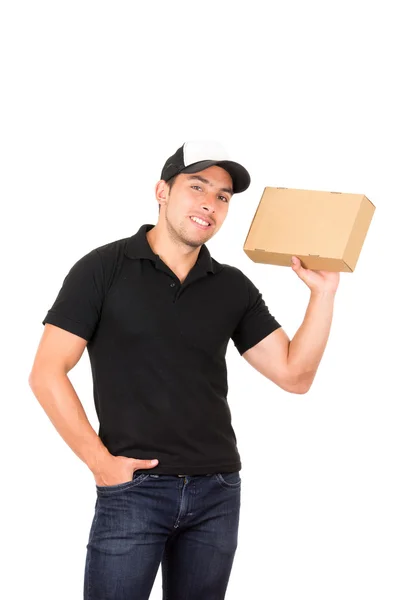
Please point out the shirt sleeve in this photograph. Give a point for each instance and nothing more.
(256, 323)
(78, 305)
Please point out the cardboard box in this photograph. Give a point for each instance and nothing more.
(326, 230)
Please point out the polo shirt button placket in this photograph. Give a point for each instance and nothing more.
(176, 294)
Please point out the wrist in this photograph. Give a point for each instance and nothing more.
(97, 458)
(326, 294)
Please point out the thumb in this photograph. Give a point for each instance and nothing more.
(147, 464)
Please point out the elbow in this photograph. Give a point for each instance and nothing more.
(35, 377)
(301, 390)
(31, 380)
(39, 379)
(44, 372)
(296, 389)
(34, 382)
(300, 385)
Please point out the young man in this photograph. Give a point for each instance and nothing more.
(156, 313)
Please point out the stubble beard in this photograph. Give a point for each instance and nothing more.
(181, 236)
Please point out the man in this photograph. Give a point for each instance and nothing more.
(156, 313)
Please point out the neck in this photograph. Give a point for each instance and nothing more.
(179, 257)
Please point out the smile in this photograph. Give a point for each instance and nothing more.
(200, 222)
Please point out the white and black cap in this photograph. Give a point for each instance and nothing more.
(198, 155)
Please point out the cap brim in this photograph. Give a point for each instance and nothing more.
(240, 176)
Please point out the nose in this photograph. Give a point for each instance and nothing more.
(208, 205)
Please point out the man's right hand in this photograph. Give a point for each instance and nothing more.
(120, 469)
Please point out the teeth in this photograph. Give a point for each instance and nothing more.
(200, 221)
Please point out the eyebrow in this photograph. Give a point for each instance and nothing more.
(203, 180)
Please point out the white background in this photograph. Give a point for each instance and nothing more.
(95, 96)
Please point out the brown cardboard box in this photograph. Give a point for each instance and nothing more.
(326, 230)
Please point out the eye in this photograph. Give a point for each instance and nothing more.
(195, 186)
(224, 198)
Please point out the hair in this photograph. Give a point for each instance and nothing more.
(170, 183)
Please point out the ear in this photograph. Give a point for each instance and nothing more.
(161, 191)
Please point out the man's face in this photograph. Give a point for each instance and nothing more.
(204, 195)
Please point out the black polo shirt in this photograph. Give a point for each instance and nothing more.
(157, 351)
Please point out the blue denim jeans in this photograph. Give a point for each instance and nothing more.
(186, 523)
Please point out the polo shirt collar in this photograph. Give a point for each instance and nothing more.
(139, 247)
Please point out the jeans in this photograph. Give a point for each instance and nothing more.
(188, 523)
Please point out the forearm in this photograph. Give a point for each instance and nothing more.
(59, 400)
(307, 346)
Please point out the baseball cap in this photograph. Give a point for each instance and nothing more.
(198, 155)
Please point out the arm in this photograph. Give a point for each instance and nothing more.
(58, 352)
(292, 365)
(307, 347)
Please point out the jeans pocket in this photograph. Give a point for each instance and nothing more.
(122, 486)
(229, 480)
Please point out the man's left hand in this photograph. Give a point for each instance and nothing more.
(317, 281)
